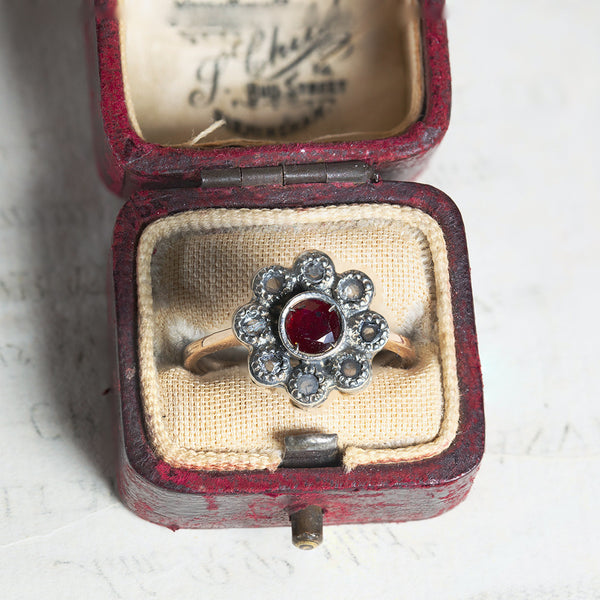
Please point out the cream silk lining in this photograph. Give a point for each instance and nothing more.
(194, 270)
(254, 72)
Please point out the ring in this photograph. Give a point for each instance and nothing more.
(308, 330)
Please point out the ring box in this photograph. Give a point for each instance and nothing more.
(242, 134)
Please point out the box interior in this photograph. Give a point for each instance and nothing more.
(195, 268)
(274, 71)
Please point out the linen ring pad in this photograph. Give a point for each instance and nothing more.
(193, 271)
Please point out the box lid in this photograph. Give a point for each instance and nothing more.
(141, 147)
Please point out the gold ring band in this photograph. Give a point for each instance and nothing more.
(222, 340)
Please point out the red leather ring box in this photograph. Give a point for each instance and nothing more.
(130, 162)
(220, 179)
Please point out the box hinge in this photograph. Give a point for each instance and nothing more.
(340, 172)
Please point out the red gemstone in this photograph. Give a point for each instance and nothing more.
(313, 326)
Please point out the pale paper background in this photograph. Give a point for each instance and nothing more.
(520, 160)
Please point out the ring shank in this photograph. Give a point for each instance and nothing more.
(222, 340)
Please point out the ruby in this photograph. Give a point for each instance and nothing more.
(313, 326)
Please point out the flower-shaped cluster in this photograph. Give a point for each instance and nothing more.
(310, 330)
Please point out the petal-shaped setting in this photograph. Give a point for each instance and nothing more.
(352, 371)
(252, 325)
(369, 331)
(315, 270)
(272, 283)
(354, 291)
(270, 365)
(308, 386)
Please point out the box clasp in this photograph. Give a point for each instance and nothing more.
(311, 450)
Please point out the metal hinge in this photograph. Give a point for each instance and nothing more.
(340, 172)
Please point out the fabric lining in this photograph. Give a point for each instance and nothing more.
(194, 270)
(224, 73)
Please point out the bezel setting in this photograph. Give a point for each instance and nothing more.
(283, 333)
(275, 360)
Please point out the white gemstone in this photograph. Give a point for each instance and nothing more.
(273, 284)
(369, 332)
(308, 384)
(352, 289)
(350, 368)
(252, 324)
(314, 271)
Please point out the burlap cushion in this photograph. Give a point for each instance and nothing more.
(194, 270)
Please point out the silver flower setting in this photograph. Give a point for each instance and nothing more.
(310, 330)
